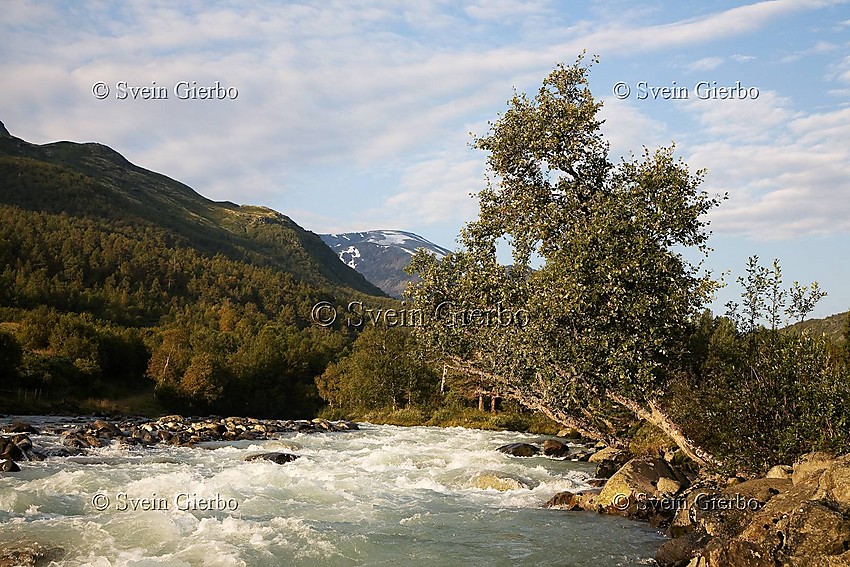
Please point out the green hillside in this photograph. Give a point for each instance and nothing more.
(94, 180)
(833, 326)
(114, 278)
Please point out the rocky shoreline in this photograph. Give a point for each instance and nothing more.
(795, 516)
(17, 446)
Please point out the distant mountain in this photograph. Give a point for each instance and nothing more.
(381, 255)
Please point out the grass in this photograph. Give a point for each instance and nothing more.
(454, 417)
(134, 402)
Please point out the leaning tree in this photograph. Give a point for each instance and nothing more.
(587, 322)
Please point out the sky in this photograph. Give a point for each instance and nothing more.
(358, 115)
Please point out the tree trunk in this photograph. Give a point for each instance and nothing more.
(662, 421)
(584, 426)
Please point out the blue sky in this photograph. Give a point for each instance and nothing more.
(355, 115)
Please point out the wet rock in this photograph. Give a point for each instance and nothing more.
(279, 458)
(106, 429)
(8, 465)
(606, 469)
(22, 441)
(581, 456)
(569, 434)
(93, 441)
(678, 552)
(20, 427)
(497, 481)
(60, 452)
(21, 554)
(519, 449)
(555, 448)
(574, 501)
(9, 450)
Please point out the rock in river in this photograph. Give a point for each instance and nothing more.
(519, 449)
(279, 458)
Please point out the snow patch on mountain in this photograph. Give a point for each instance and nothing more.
(381, 255)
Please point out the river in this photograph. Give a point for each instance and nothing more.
(400, 496)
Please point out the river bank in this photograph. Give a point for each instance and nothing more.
(793, 516)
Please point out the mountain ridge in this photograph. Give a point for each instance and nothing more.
(113, 186)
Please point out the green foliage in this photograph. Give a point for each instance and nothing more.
(764, 299)
(758, 396)
(383, 370)
(10, 357)
(114, 275)
(596, 264)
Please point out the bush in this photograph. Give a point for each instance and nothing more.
(765, 397)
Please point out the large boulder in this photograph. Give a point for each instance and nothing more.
(633, 490)
(105, 429)
(793, 525)
(20, 427)
(800, 522)
(721, 552)
(811, 465)
(519, 449)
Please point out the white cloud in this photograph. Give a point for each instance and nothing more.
(628, 129)
(745, 120)
(792, 185)
(706, 64)
(373, 86)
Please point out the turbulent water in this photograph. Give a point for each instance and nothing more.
(379, 496)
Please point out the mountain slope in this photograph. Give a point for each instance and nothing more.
(832, 326)
(92, 180)
(381, 255)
